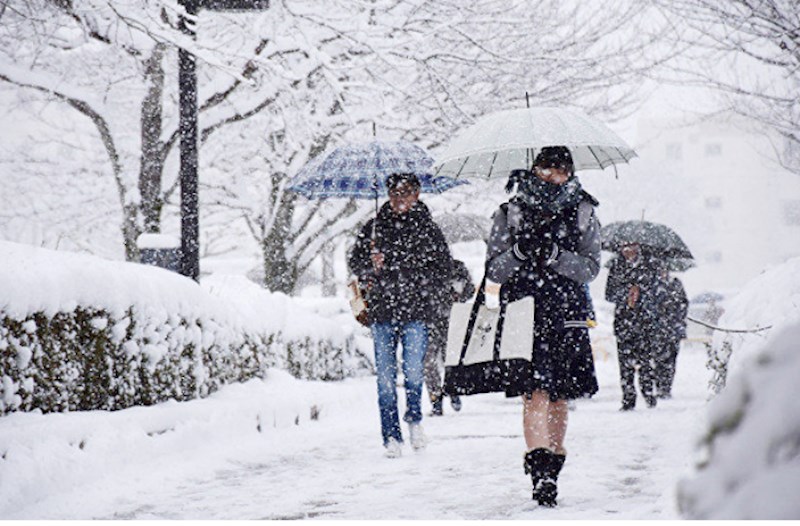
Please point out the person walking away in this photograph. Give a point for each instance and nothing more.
(545, 243)
(632, 287)
(460, 289)
(403, 258)
(674, 306)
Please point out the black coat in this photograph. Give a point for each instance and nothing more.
(643, 318)
(459, 288)
(673, 309)
(417, 265)
(562, 362)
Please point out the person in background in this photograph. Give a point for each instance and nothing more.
(460, 289)
(673, 308)
(633, 288)
(545, 243)
(403, 258)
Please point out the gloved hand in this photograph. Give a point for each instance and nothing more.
(539, 248)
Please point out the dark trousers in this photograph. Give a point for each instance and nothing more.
(633, 353)
(434, 357)
(665, 365)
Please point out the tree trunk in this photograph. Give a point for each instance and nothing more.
(328, 277)
(152, 163)
(280, 274)
(130, 231)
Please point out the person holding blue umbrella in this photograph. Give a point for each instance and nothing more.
(403, 260)
(400, 256)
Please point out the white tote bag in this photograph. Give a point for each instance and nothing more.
(477, 362)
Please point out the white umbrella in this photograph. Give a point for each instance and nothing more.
(463, 227)
(507, 140)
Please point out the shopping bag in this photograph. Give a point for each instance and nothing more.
(489, 350)
(358, 305)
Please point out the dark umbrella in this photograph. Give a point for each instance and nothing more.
(658, 240)
(671, 264)
(708, 297)
(679, 264)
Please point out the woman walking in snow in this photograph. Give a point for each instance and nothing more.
(545, 243)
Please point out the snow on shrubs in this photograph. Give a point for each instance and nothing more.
(79, 333)
(749, 465)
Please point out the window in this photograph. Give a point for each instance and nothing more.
(674, 151)
(791, 213)
(713, 149)
(713, 201)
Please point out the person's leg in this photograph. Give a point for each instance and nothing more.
(665, 367)
(660, 364)
(414, 337)
(535, 425)
(433, 363)
(557, 415)
(385, 337)
(674, 346)
(544, 426)
(647, 371)
(627, 364)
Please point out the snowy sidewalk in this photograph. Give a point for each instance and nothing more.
(208, 460)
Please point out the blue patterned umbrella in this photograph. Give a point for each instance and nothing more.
(360, 171)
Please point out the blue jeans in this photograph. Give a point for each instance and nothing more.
(414, 337)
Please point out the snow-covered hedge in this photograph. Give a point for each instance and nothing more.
(772, 299)
(78, 332)
(749, 465)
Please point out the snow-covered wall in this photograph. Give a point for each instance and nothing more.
(78, 332)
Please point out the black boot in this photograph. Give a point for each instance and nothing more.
(437, 409)
(544, 466)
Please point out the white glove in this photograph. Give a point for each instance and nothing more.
(492, 292)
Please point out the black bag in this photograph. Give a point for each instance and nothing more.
(489, 350)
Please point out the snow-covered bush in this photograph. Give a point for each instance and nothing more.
(78, 332)
(749, 465)
(770, 300)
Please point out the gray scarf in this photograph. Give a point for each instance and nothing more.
(541, 194)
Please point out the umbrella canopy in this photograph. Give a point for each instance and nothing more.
(360, 171)
(708, 297)
(672, 264)
(661, 240)
(463, 227)
(679, 264)
(509, 140)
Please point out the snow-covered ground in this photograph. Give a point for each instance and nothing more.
(279, 447)
(252, 451)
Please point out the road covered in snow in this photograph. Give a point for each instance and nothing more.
(255, 451)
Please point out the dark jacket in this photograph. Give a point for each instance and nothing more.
(673, 309)
(459, 288)
(557, 286)
(641, 319)
(417, 265)
(562, 363)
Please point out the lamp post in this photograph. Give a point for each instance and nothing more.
(187, 88)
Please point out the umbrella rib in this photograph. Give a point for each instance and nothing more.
(596, 158)
(462, 167)
(491, 167)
